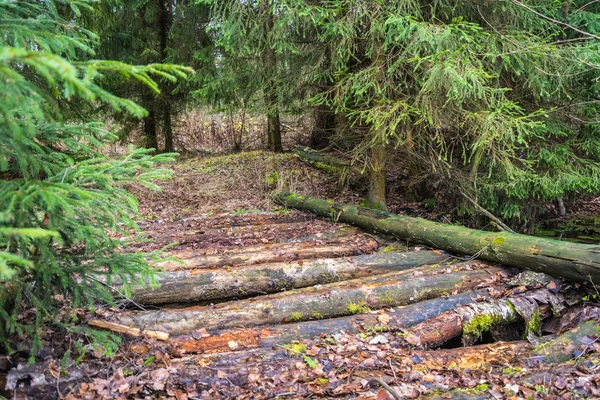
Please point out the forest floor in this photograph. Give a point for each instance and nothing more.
(219, 208)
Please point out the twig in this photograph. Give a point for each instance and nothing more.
(487, 213)
(555, 21)
(386, 387)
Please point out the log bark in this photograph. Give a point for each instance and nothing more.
(323, 161)
(270, 336)
(572, 261)
(472, 320)
(300, 249)
(241, 235)
(567, 345)
(337, 299)
(218, 284)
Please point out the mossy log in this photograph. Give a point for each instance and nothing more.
(226, 283)
(572, 261)
(323, 161)
(278, 335)
(336, 299)
(304, 249)
(569, 344)
(472, 320)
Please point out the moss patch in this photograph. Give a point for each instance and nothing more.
(510, 371)
(359, 308)
(296, 316)
(478, 325)
(296, 348)
(499, 240)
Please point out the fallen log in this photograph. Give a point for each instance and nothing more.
(225, 220)
(336, 299)
(324, 162)
(219, 284)
(571, 344)
(268, 253)
(572, 261)
(279, 335)
(247, 233)
(472, 320)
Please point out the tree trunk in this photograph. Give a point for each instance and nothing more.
(168, 128)
(219, 284)
(377, 170)
(150, 138)
(271, 95)
(323, 128)
(573, 261)
(377, 189)
(165, 21)
(337, 299)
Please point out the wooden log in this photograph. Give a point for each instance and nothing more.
(472, 320)
(247, 233)
(225, 220)
(276, 335)
(218, 284)
(323, 161)
(572, 261)
(336, 299)
(570, 344)
(268, 253)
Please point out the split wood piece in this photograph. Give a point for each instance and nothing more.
(573, 261)
(472, 320)
(268, 253)
(279, 335)
(128, 330)
(218, 284)
(331, 300)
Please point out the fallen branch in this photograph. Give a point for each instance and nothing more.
(98, 323)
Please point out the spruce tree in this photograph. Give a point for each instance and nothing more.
(491, 104)
(61, 199)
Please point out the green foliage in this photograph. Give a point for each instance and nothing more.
(149, 32)
(488, 99)
(61, 199)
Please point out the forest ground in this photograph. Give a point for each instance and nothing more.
(221, 189)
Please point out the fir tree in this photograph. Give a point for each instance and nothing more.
(60, 197)
(490, 103)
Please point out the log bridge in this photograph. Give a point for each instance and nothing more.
(259, 280)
